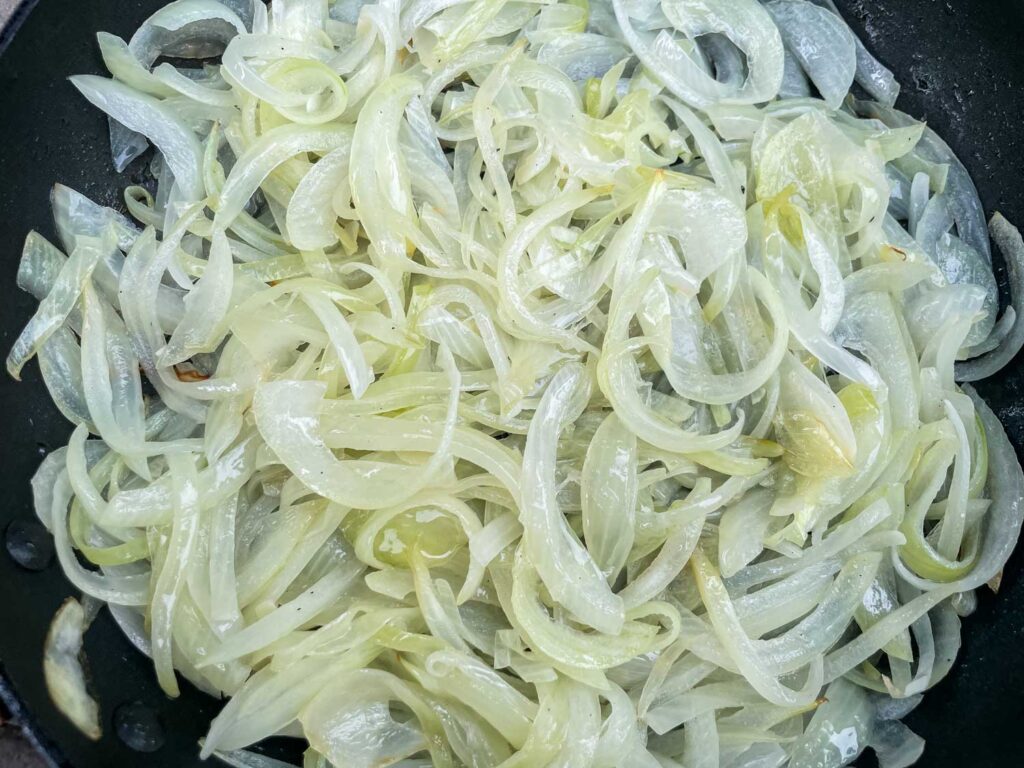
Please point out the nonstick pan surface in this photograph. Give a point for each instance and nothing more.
(961, 63)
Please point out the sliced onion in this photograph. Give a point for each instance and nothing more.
(62, 667)
(524, 384)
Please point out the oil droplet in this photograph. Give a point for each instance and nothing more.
(139, 727)
(29, 544)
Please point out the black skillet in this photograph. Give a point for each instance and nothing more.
(961, 63)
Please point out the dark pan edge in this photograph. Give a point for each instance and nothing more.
(21, 13)
(22, 719)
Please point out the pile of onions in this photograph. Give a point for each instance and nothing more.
(525, 383)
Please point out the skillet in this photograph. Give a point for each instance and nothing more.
(961, 63)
